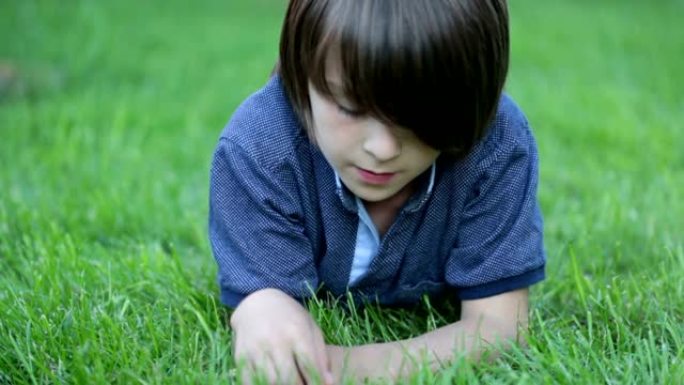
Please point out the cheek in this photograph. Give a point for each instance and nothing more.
(325, 133)
(323, 120)
(424, 156)
(330, 119)
(331, 127)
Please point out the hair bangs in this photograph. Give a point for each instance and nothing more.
(435, 67)
(372, 59)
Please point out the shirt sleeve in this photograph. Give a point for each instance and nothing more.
(500, 237)
(255, 228)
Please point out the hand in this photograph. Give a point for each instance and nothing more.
(275, 337)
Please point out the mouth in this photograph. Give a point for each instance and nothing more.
(373, 177)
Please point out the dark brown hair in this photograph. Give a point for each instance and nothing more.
(436, 67)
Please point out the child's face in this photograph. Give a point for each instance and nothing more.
(375, 161)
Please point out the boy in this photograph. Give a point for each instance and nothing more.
(381, 159)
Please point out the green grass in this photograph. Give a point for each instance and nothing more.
(109, 112)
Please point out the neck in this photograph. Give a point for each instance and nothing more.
(385, 211)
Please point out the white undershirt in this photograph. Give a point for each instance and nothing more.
(367, 244)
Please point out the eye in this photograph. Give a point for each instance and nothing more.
(350, 112)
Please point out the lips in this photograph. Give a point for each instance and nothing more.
(373, 177)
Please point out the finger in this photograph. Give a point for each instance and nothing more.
(256, 369)
(269, 369)
(245, 371)
(310, 366)
(305, 370)
(243, 365)
(285, 369)
(321, 353)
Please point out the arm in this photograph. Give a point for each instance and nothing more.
(483, 322)
(260, 243)
(275, 337)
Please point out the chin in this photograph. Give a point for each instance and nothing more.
(375, 197)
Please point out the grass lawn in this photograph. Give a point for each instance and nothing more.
(109, 112)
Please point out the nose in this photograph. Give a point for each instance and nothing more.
(381, 142)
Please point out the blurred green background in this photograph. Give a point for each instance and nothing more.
(109, 112)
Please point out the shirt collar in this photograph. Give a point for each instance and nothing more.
(426, 182)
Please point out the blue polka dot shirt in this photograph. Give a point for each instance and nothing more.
(278, 219)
